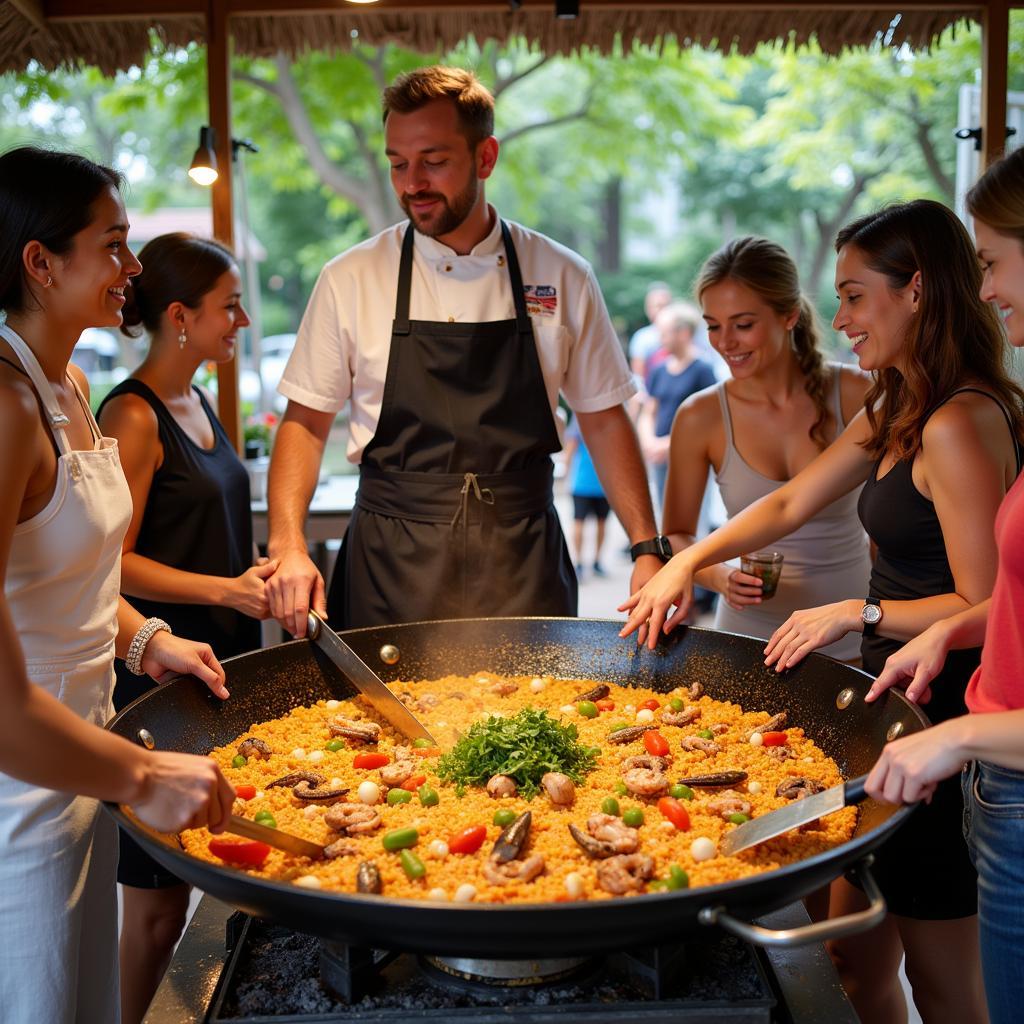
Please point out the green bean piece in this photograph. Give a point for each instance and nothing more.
(428, 796)
(633, 817)
(609, 805)
(587, 708)
(398, 796)
(681, 792)
(335, 745)
(678, 878)
(739, 819)
(239, 761)
(400, 839)
(412, 865)
(422, 742)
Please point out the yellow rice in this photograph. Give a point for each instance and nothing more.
(305, 729)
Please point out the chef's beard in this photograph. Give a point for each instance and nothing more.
(453, 213)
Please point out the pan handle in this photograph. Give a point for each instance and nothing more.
(820, 931)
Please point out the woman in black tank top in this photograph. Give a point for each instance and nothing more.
(936, 448)
(188, 555)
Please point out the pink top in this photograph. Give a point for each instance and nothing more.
(998, 683)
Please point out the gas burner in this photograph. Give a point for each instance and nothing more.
(490, 975)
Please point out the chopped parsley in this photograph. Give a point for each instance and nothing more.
(523, 747)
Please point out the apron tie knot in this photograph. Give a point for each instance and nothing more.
(471, 487)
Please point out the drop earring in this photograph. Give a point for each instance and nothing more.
(49, 282)
(182, 337)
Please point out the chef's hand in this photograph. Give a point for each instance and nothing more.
(919, 660)
(168, 655)
(911, 767)
(649, 606)
(739, 589)
(294, 588)
(247, 593)
(183, 791)
(806, 631)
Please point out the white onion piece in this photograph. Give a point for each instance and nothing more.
(368, 792)
(703, 848)
(308, 882)
(645, 715)
(465, 893)
(756, 739)
(574, 884)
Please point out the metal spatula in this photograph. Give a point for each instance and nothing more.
(365, 680)
(248, 829)
(798, 813)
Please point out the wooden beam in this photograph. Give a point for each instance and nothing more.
(32, 10)
(995, 56)
(218, 79)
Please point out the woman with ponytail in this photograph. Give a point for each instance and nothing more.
(781, 408)
(936, 449)
(188, 555)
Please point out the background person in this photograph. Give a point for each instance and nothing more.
(587, 499)
(936, 451)
(187, 557)
(453, 395)
(781, 407)
(680, 374)
(990, 737)
(645, 342)
(64, 510)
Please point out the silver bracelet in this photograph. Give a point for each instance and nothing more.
(137, 648)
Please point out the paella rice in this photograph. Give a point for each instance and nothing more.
(397, 827)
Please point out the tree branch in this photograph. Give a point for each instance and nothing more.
(576, 115)
(501, 84)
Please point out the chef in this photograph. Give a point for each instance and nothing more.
(452, 336)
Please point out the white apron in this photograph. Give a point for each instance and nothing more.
(58, 852)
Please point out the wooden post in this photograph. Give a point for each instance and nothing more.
(995, 56)
(218, 79)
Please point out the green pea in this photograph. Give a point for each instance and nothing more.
(334, 745)
(676, 704)
(633, 817)
(398, 796)
(428, 796)
(620, 789)
(678, 878)
(412, 865)
(609, 805)
(681, 792)
(594, 751)
(422, 742)
(739, 819)
(238, 761)
(588, 709)
(265, 818)
(706, 734)
(617, 726)
(400, 838)
(658, 885)
(504, 816)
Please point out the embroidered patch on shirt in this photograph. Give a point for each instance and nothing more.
(541, 299)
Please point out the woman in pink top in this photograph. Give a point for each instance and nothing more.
(989, 740)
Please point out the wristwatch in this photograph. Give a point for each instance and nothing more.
(659, 546)
(871, 615)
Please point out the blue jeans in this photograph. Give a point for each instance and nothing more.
(994, 829)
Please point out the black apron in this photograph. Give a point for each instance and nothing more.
(454, 516)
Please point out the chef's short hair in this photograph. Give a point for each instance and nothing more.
(473, 102)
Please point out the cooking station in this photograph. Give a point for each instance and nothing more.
(233, 968)
(686, 955)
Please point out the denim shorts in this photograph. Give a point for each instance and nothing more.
(994, 830)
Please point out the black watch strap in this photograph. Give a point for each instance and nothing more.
(659, 546)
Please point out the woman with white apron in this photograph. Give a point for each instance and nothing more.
(64, 508)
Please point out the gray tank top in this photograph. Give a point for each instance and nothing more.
(827, 559)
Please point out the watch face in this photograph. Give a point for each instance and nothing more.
(871, 613)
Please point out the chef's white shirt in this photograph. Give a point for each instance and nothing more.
(342, 348)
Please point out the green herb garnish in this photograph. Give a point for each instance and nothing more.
(523, 747)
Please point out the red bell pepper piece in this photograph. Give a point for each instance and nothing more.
(249, 853)
(468, 840)
(675, 812)
(370, 760)
(245, 792)
(605, 704)
(655, 743)
(774, 739)
(651, 705)
(414, 783)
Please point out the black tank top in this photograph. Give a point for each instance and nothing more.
(197, 518)
(912, 564)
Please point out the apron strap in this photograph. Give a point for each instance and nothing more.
(516, 278)
(401, 324)
(55, 416)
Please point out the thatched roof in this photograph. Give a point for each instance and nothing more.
(62, 32)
